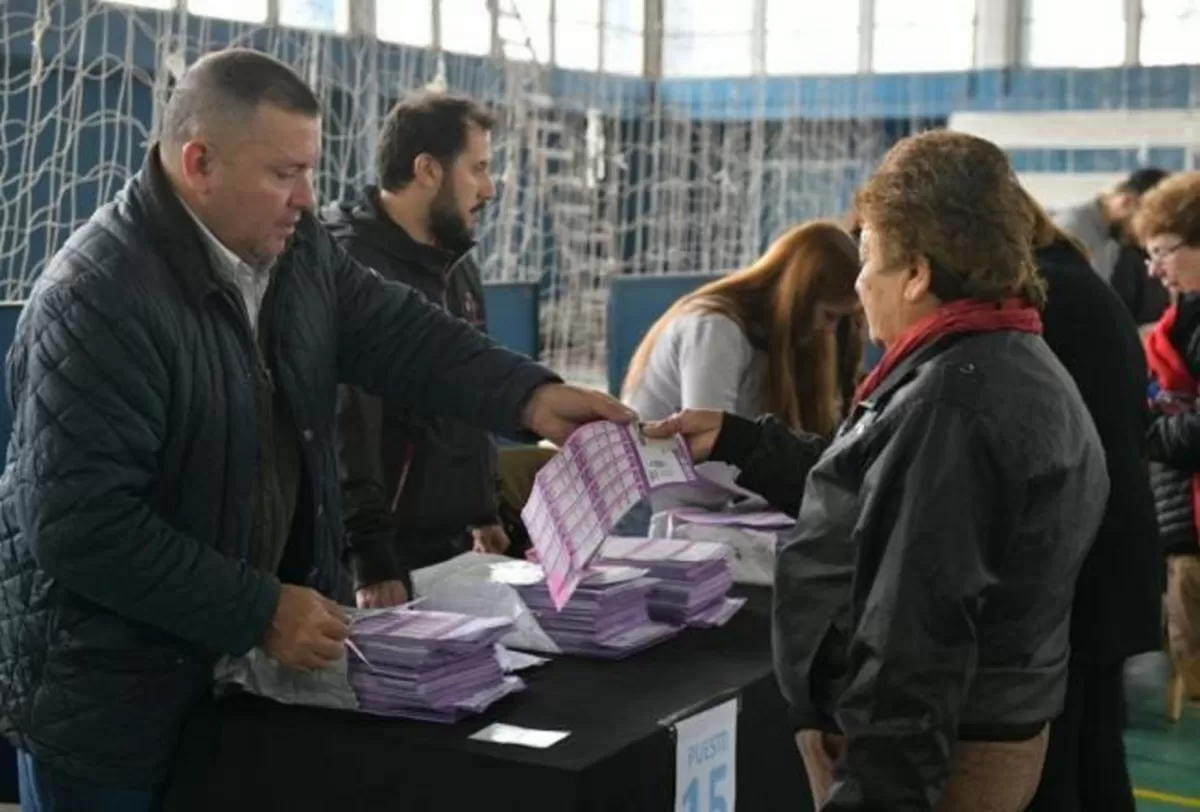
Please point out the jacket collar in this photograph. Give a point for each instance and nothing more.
(906, 369)
(173, 229)
(398, 242)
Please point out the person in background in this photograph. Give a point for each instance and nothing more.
(1143, 295)
(1168, 224)
(922, 603)
(762, 339)
(170, 493)
(1103, 227)
(1117, 610)
(418, 488)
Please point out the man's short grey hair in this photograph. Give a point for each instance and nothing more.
(230, 86)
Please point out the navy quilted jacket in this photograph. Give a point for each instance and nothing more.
(124, 510)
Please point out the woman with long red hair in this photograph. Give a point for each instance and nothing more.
(779, 337)
(759, 340)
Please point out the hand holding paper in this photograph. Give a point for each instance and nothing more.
(698, 428)
(556, 411)
(603, 470)
(308, 630)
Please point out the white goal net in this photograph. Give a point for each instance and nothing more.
(599, 175)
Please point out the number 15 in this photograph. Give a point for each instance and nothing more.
(716, 794)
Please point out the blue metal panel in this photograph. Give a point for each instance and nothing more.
(932, 95)
(512, 315)
(1097, 160)
(9, 313)
(46, 218)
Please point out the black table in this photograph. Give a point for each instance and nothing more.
(248, 753)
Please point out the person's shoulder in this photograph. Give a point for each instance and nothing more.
(1066, 269)
(706, 323)
(1073, 215)
(1080, 305)
(108, 259)
(989, 373)
(315, 250)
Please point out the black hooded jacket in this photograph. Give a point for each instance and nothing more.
(413, 484)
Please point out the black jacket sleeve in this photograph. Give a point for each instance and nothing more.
(933, 497)
(394, 344)
(773, 461)
(1174, 437)
(484, 504)
(91, 393)
(369, 531)
(1174, 440)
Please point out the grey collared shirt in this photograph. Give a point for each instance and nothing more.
(251, 282)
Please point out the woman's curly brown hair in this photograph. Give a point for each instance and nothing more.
(1171, 207)
(953, 199)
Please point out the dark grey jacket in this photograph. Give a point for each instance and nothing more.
(124, 510)
(925, 595)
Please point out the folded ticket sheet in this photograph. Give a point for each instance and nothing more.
(602, 471)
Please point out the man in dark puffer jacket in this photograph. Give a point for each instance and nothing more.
(171, 490)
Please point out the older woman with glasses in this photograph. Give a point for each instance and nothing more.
(1168, 225)
(922, 605)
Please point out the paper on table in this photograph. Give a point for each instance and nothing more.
(500, 733)
(767, 519)
(646, 549)
(473, 595)
(602, 471)
(513, 661)
(752, 551)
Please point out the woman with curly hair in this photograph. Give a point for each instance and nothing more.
(922, 604)
(1168, 224)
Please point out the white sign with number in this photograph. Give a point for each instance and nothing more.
(706, 760)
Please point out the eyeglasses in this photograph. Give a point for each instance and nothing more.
(1162, 257)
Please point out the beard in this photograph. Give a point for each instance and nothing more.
(447, 224)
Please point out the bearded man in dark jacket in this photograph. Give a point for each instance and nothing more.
(171, 490)
(418, 488)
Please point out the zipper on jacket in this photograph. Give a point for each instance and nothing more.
(261, 371)
(405, 468)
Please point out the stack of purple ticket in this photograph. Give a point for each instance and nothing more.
(602, 471)
(432, 666)
(606, 617)
(693, 578)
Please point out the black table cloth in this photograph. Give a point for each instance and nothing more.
(253, 754)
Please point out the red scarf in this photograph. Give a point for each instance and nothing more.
(1173, 376)
(1165, 361)
(962, 316)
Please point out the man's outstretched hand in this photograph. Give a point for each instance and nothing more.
(556, 410)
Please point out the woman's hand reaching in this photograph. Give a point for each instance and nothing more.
(698, 427)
